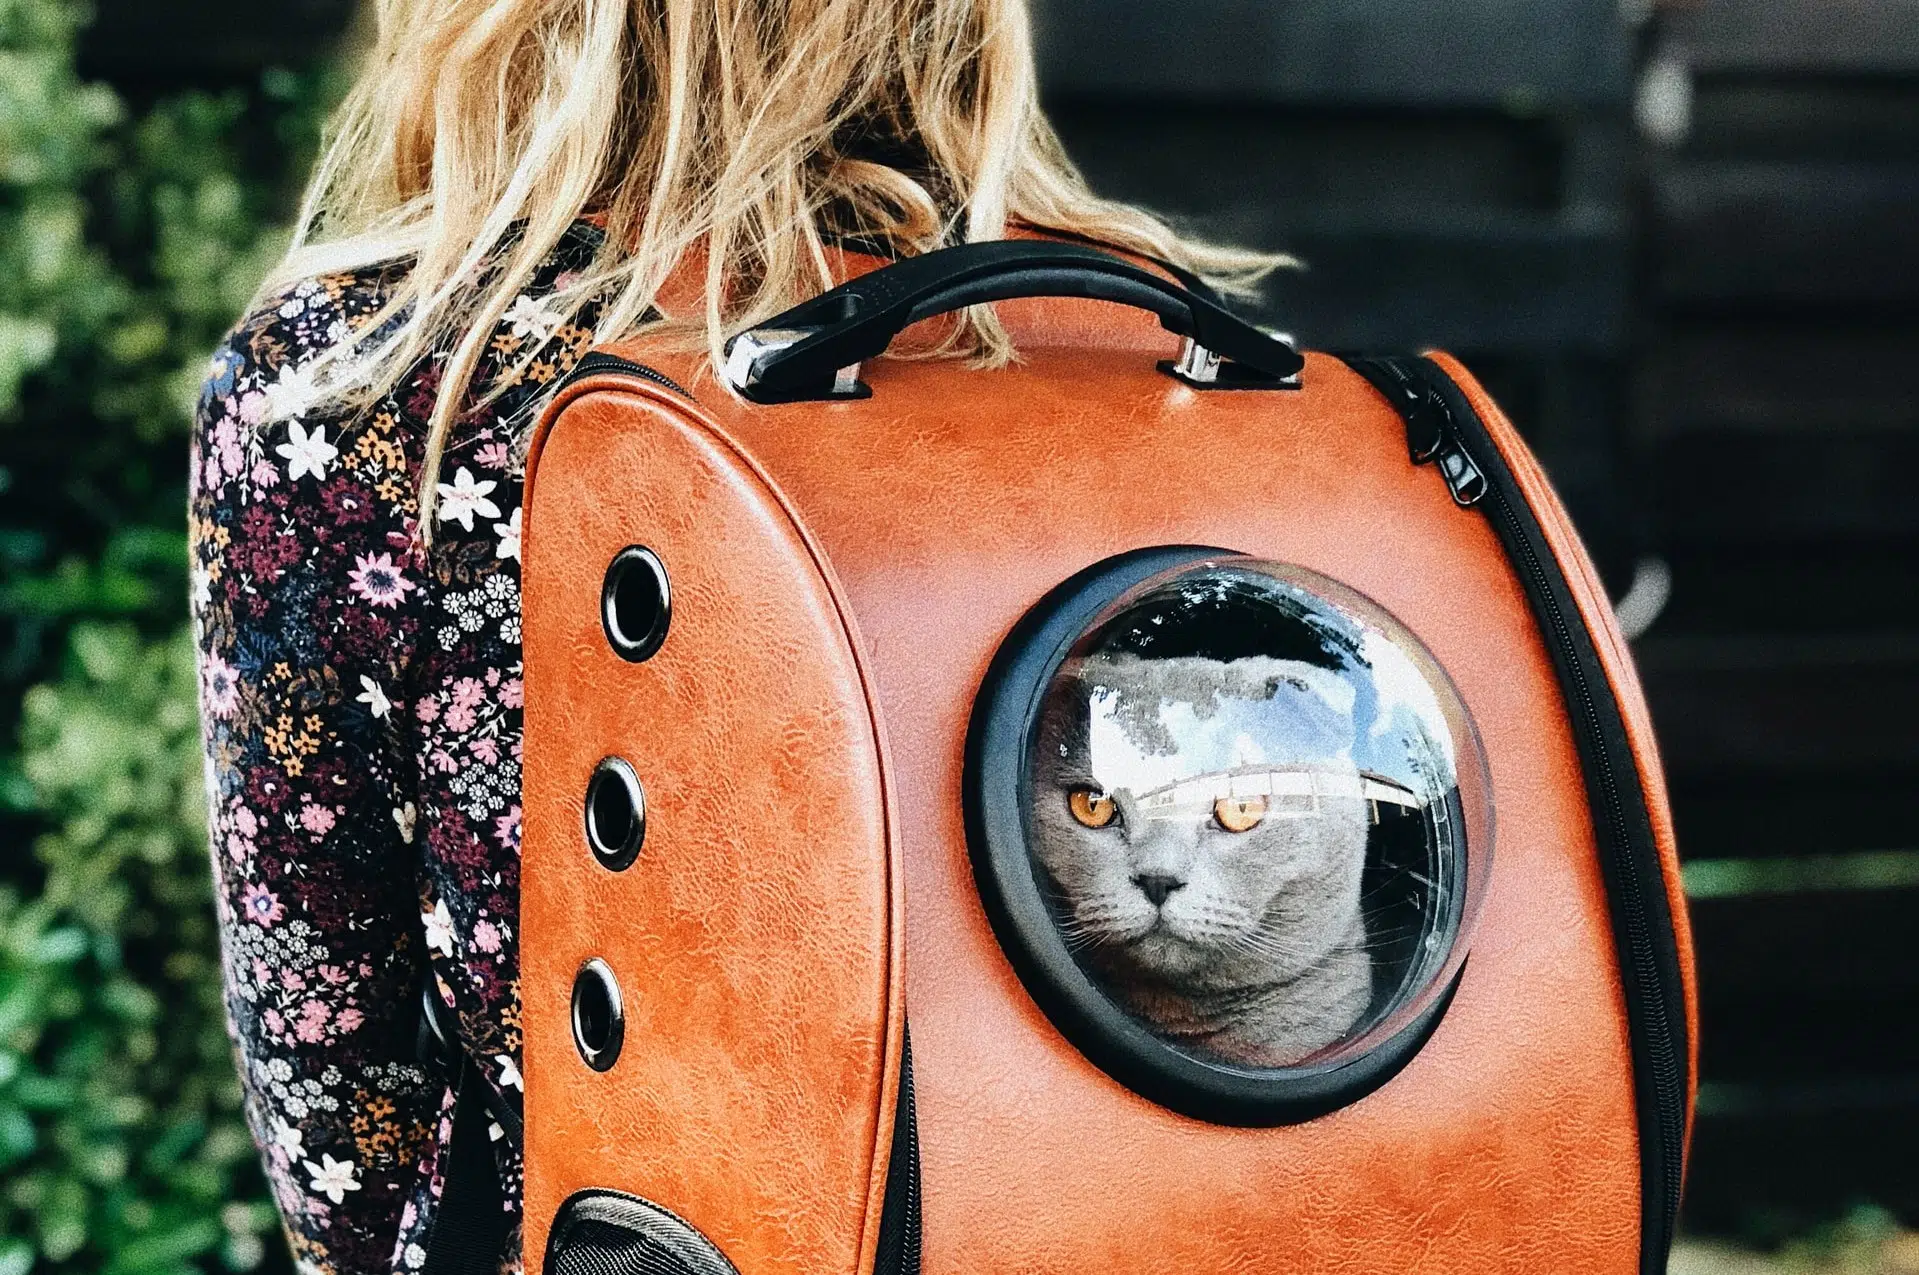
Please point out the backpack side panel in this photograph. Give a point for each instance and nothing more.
(757, 936)
(1623, 674)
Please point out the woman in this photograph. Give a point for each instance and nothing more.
(510, 181)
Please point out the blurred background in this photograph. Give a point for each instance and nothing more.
(1680, 242)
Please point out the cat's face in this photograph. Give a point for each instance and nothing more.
(1200, 819)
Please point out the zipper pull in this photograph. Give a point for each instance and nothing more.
(1431, 435)
(1462, 476)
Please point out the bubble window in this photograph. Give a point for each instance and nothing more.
(1231, 822)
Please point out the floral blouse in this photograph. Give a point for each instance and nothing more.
(361, 709)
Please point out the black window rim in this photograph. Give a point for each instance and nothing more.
(596, 974)
(636, 647)
(615, 856)
(995, 799)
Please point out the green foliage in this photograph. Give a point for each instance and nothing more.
(128, 242)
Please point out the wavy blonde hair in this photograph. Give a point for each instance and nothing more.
(746, 134)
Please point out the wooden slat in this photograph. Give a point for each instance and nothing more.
(1785, 36)
(1730, 232)
(1792, 708)
(175, 44)
(1400, 53)
(1830, 117)
(1779, 947)
(1795, 1036)
(1808, 812)
(1794, 377)
(1734, 487)
(1801, 1163)
(1792, 590)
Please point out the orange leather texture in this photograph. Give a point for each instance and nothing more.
(757, 938)
(1596, 610)
(947, 505)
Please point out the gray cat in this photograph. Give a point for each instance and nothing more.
(1202, 824)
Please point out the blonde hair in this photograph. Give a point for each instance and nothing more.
(747, 133)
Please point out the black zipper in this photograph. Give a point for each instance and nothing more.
(899, 1245)
(596, 361)
(1442, 428)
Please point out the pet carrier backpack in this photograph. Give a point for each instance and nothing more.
(1132, 723)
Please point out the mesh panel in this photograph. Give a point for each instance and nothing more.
(606, 1233)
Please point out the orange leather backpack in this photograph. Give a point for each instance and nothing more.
(1224, 758)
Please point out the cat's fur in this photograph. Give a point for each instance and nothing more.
(1259, 956)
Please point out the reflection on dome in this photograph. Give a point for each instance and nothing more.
(1246, 809)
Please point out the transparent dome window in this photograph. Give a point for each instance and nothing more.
(1258, 813)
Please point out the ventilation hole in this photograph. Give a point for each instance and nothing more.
(636, 603)
(599, 1028)
(615, 814)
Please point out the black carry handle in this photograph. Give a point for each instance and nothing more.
(800, 354)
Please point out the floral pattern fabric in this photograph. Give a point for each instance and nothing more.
(361, 709)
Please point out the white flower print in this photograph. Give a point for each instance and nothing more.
(530, 318)
(332, 1178)
(289, 1138)
(509, 533)
(405, 817)
(307, 453)
(292, 394)
(463, 497)
(414, 1256)
(509, 1072)
(439, 929)
(373, 697)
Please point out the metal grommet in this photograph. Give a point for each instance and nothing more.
(599, 1023)
(615, 814)
(636, 603)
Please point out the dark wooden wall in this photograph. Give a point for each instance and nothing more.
(1684, 247)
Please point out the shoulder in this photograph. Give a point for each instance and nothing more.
(263, 355)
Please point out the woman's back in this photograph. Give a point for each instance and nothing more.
(362, 698)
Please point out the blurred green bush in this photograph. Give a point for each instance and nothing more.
(129, 240)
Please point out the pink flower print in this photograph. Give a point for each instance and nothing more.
(486, 937)
(265, 474)
(493, 677)
(461, 718)
(442, 761)
(512, 693)
(275, 1024)
(375, 578)
(226, 447)
(245, 823)
(348, 1019)
(317, 820)
(486, 749)
(239, 848)
(262, 973)
(220, 683)
(332, 975)
(311, 1025)
(427, 709)
(261, 906)
(293, 980)
(468, 692)
(253, 407)
(507, 828)
(493, 455)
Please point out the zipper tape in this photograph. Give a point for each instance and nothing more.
(1442, 428)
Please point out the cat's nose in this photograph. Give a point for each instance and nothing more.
(1157, 886)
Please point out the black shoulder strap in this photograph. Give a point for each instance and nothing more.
(471, 1226)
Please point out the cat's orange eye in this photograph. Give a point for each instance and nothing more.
(1239, 814)
(1091, 807)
